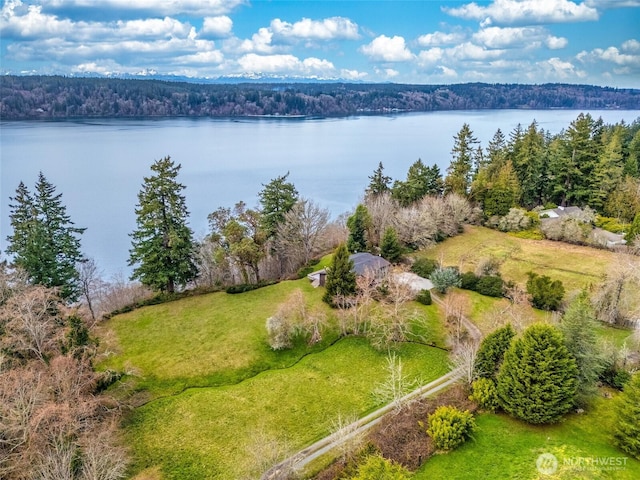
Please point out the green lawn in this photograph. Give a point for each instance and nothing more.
(207, 340)
(576, 266)
(212, 433)
(505, 448)
(209, 387)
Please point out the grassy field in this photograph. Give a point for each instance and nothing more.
(216, 433)
(207, 340)
(212, 393)
(576, 266)
(505, 448)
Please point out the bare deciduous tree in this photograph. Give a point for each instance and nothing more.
(90, 284)
(346, 436)
(300, 237)
(30, 324)
(463, 358)
(396, 385)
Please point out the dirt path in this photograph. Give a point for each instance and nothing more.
(301, 459)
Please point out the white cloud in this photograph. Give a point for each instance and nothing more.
(471, 51)
(352, 74)
(603, 4)
(387, 49)
(387, 73)
(556, 43)
(207, 58)
(430, 56)
(327, 29)
(528, 12)
(613, 55)
(556, 69)
(19, 21)
(158, 7)
(631, 46)
(439, 39)
(252, 63)
(260, 42)
(517, 37)
(447, 72)
(217, 27)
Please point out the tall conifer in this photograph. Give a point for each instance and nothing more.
(162, 245)
(44, 241)
(537, 379)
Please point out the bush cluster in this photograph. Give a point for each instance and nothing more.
(247, 287)
(546, 294)
(424, 267)
(450, 427)
(424, 297)
(489, 285)
(485, 394)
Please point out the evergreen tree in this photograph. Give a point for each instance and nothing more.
(459, 172)
(632, 163)
(546, 294)
(491, 352)
(359, 224)
(421, 181)
(537, 379)
(276, 198)
(341, 279)
(626, 432)
(162, 244)
(530, 165)
(634, 231)
(503, 192)
(379, 182)
(390, 247)
(44, 242)
(578, 326)
(608, 172)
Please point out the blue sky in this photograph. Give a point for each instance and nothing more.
(435, 41)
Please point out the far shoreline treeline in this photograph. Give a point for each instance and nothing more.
(57, 97)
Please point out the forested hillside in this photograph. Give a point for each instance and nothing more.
(61, 97)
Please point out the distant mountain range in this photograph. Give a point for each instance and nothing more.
(57, 97)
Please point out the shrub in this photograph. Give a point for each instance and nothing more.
(280, 333)
(485, 394)
(546, 294)
(445, 278)
(424, 267)
(450, 427)
(390, 247)
(469, 281)
(376, 467)
(491, 351)
(424, 297)
(247, 287)
(537, 379)
(308, 268)
(626, 432)
(615, 377)
(611, 224)
(491, 286)
(488, 266)
(517, 219)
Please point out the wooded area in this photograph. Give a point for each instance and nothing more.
(46, 97)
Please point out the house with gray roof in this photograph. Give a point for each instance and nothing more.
(363, 263)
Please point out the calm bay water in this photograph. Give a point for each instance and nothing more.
(99, 165)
